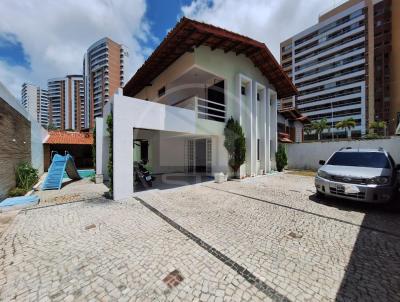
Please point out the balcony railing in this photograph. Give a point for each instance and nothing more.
(205, 109)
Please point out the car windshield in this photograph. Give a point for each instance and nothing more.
(360, 159)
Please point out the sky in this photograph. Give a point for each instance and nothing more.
(44, 39)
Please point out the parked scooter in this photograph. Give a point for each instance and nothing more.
(143, 175)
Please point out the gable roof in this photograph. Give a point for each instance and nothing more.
(188, 34)
(294, 114)
(69, 138)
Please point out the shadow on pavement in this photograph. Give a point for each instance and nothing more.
(373, 270)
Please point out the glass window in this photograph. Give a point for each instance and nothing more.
(360, 159)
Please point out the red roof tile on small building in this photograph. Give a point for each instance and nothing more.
(69, 138)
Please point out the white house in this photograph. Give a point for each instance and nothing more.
(173, 110)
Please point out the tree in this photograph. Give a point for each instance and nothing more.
(320, 126)
(94, 147)
(377, 126)
(50, 127)
(308, 130)
(281, 158)
(235, 144)
(110, 150)
(346, 124)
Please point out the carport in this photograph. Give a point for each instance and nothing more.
(165, 136)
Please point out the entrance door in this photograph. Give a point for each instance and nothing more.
(201, 155)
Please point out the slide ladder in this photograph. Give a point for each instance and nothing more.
(59, 165)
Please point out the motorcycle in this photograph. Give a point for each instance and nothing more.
(143, 175)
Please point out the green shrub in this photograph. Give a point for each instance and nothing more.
(17, 192)
(110, 156)
(94, 147)
(25, 176)
(372, 135)
(235, 144)
(281, 158)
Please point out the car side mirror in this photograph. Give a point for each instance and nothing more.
(321, 162)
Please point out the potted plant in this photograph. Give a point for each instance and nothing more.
(281, 158)
(235, 144)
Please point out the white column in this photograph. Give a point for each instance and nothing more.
(99, 149)
(274, 126)
(254, 128)
(268, 131)
(122, 153)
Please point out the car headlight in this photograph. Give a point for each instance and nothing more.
(323, 174)
(379, 180)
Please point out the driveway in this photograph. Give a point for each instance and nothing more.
(264, 239)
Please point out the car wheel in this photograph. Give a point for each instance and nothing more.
(319, 194)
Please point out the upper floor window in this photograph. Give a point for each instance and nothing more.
(243, 90)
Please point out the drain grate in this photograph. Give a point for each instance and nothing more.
(173, 279)
(295, 235)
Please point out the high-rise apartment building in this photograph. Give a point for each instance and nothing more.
(343, 67)
(35, 101)
(103, 72)
(66, 102)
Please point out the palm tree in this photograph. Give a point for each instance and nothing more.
(346, 124)
(320, 126)
(377, 126)
(308, 130)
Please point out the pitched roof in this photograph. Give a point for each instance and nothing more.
(69, 138)
(294, 114)
(188, 34)
(284, 138)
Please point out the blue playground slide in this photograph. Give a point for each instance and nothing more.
(55, 174)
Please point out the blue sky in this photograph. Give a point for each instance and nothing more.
(43, 39)
(162, 16)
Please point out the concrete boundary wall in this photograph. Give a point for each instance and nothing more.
(307, 155)
(38, 133)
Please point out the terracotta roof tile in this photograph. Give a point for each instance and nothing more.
(189, 34)
(69, 138)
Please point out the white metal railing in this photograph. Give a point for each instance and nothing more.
(205, 109)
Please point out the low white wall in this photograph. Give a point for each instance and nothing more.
(307, 155)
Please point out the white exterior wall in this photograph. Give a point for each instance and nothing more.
(152, 116)
(258, 119)
(307, 155)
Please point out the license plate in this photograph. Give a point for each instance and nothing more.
(148, 178)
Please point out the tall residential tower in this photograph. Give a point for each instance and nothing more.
(66, 102)
(343, 66)
(103, 72)
(35, 101)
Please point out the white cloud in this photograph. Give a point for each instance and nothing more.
(268, 21)
(56, 34)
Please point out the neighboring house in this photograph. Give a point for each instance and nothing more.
(77, 144)
(291, 125)
(176, 105)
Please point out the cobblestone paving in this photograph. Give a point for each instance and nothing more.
(258, 240)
